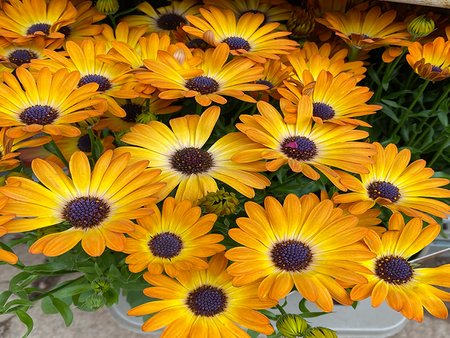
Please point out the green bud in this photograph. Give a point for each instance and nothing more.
(220, 202)
(290, 325)
(100, 284)
(93, 302)
(107, 7)
(301, 23)
(320, 332)
(421, 26)
(146, 116)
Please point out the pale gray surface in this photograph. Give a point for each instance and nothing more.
(100, 324)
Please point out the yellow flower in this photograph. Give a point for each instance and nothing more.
(302, 145)
(173, 240)
(97, 205)
(396, 184)
(245, 37)
(203, 304)
(430, 61)
(406, 287)
(303, 242)
(178, 153)
(47, 103)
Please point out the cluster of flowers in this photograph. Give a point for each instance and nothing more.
(70, 82)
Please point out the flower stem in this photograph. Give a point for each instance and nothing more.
(405, 115)
(280, 308)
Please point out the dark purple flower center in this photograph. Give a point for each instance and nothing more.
(322, 110)
(66, 30)
(22, 56)
(393, 269)
(436, 69)
(299, 148)
(170, 21)
(207, 301)
(235, 42)
(132, 110)
(191, 160)
(202, 84)
(39, 114)
(291, 255)
(39, 27)
(84, 143)
(165, 245)
(86, 212)
(384, 190)
(103, 83)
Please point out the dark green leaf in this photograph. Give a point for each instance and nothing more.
(27, 320)
(313, 314)
(4, 296)
(63, 309)
(45, 268)
(252, 334)
(48, 307)
(72, 290)
(21, 280)
(389, 112)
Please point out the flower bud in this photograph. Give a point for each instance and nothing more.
(107, 7)
(290, 325)
(320, 332)
(421, 26)
(220, 202)
(301, 23)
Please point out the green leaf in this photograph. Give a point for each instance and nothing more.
(72, 290)
(313, 314)
(252, 334)
(389, 112)
(4, 296)
(47, 306)
(63, 309)
(302, 306)
(27, 320)
(21, 280)
(45, 268)
(17, 302)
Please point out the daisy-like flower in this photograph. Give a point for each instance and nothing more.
(10, 146)
(163, 19)
(122, 33)
(173, 240)
(21, 21)
(304, 242)
(406, 287)
(139, 110)
(15, 55)
(367, 30)
(273, 11)
(244, 37)
(430, 61)
(302, 145)
(208, 81)
(203, 304)
(47, 103)
(183, 162)
(396, 184)
(112, 79)
(274, 74)
(314, 60)
(336, 99)
(98, 205)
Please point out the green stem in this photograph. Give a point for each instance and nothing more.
(353, 53)
(113, 21)
(198, 109)
(405, 114)
(128, 11)
(280, 308)
(388, 75)
(439, 152)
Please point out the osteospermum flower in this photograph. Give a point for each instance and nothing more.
(304, 242)
(309, 61)
(163, 19)
(336, 99)
(138, 110)
(10, 146)
(21, 21)
(178, 153)
(367, 30)
(47, 103)
(430, 61)
(208, 81)
(112, 79)
(274, 74)
(396, 184)
(15, 55)
(173, 240)
(203, 304)
(244, 37)
(394, 278)
(302, 145)
(273, 11)
(96, 205)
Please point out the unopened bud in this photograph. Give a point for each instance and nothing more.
(107, 7)
(301, 23)
(220, 202)
(320, 332)
(421, 26)
(290, 325)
